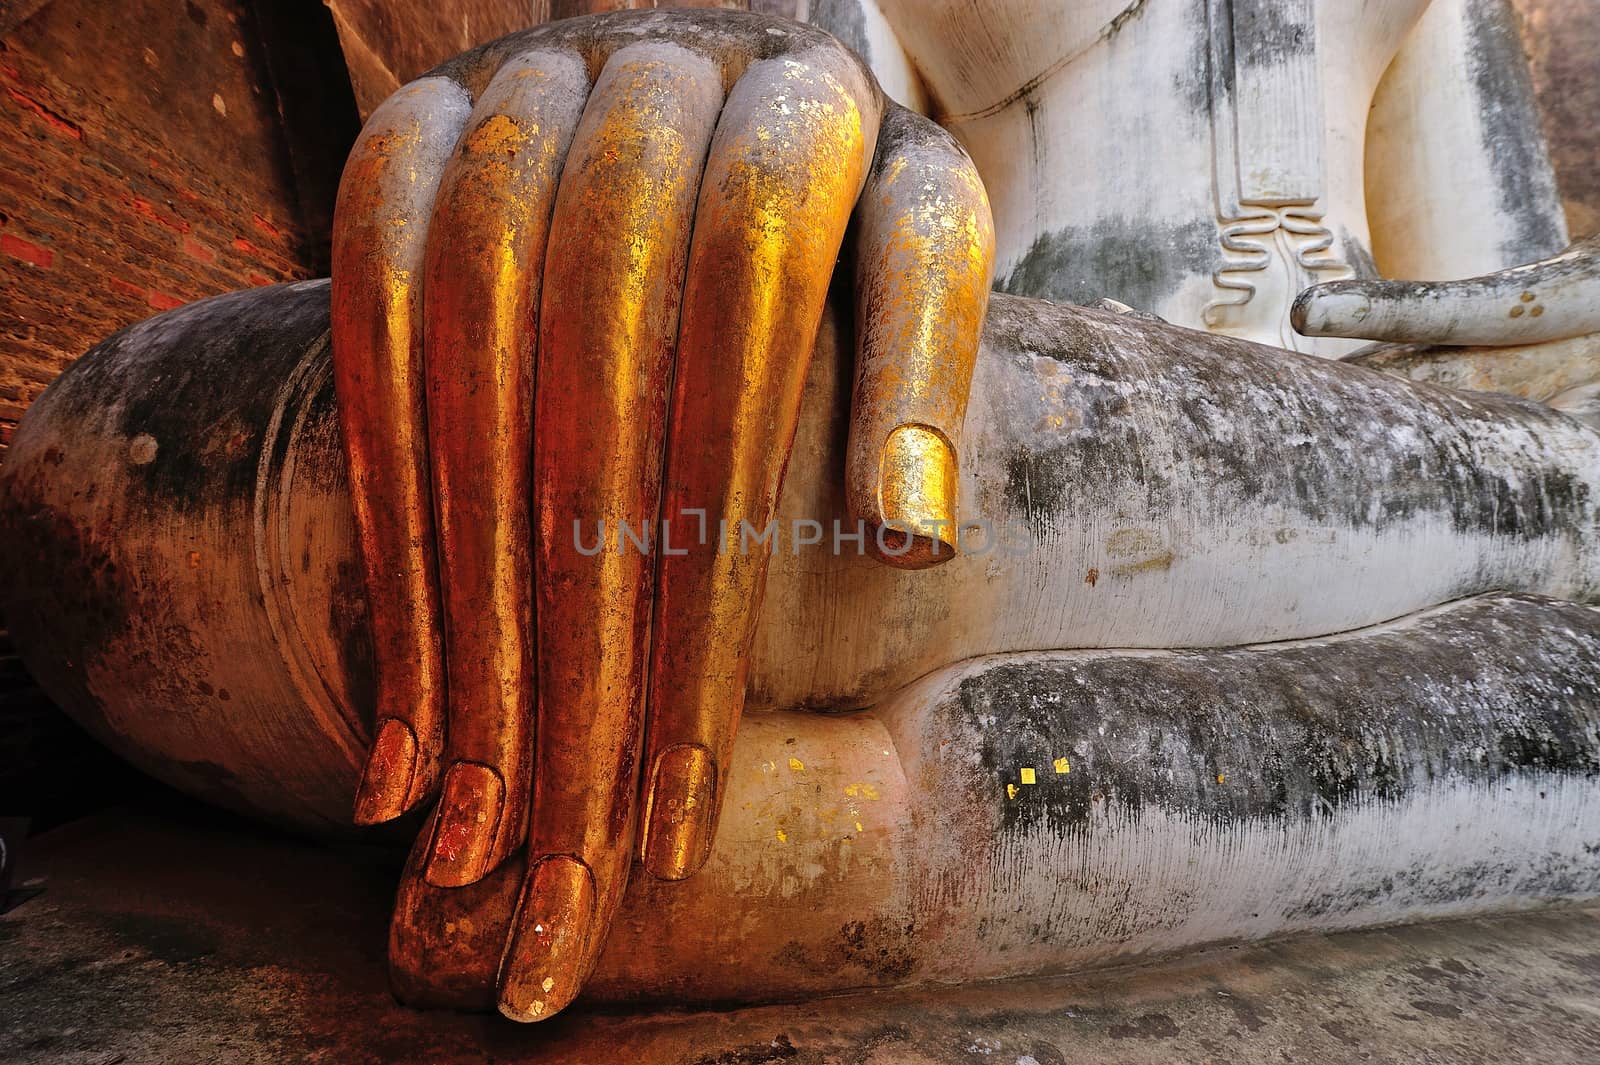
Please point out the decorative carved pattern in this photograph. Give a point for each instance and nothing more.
(1245, 252)
(1249, 244)
(1267, 137)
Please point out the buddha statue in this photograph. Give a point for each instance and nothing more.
(1239, 151)
(1149, 635)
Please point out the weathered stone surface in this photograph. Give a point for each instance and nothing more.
(161, 939)
(143, 166)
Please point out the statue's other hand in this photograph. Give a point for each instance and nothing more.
(577, 277)
(1549, 300)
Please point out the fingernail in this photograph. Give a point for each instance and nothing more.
(547, 959)
(464, 832)
(386, 782)
(679, 809)
(916, 496)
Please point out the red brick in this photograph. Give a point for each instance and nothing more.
(149, 210)
(50, 118)
(195, 250)
(123, 200)
(26, 250)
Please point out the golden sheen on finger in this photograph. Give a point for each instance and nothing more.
(917, 497)
(619, 242)
(486, 253)
(783, 175)
(378, 247)
(553, 923)
(925, 257)
(682, 796)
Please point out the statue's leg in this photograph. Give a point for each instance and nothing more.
(189, 567)
(162, 529)
(1129, 484)
(1044, 812)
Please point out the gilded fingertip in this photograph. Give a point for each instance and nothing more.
(548, 956)
(391, 768)
(678, 812)
(470, 805)
(917, 475)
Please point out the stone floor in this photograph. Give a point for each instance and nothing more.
(168, 935)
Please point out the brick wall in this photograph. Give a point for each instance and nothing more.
(144, 169)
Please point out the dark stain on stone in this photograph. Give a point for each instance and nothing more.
(1451, 975)
(211, 782)
(880, 946)
(1120, 257)
(1269, 33)
(1588, 964)
(1227, 35)
(1386, 452)
(843, 19)
(1037, 490)
(1435, 1009)
(1207, 80)
(882, 949)
(1340, 1031)
(238, 347)
(1465, 694)
(171, 940)
(51, 561)
(1513, 140)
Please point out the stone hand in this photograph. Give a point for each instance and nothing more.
(1551, 300)
(578, 274)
